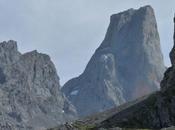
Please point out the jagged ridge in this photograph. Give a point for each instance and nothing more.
(30, 95)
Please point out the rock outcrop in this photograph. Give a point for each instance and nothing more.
(157, 111)
(127, 65)
(30, 95)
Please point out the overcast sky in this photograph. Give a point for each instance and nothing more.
(70, 30)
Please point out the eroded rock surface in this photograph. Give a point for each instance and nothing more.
(30, 95)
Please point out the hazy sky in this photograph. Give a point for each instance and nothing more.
(70, 30)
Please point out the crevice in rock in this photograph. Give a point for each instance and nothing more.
(2, 77)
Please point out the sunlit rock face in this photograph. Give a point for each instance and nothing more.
(127, 65)
(30, 95)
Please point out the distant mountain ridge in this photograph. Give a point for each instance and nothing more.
(127, 65)
(30, 95)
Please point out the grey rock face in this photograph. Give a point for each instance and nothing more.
(127, 65)
(30, 95)
(157, 111)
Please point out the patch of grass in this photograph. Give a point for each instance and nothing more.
(80, 126)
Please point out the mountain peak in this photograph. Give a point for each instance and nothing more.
(9, 45)
(35, 54)
(127, 23)
(157, 108)
(127, 65)
(147, 8)
(9, 53)
(131, 11)
(29, 86)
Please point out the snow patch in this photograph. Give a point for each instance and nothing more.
(75, 92)
(105, 57)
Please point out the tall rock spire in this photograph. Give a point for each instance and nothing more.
(128, 64)
(155, 111)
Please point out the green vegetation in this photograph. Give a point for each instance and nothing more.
(80, 126)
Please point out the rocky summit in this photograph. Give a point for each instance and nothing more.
(127, 65)
(156, 111)
(30, 95)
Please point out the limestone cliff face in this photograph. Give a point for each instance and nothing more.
(156, 111)
(30, 95)
(128, 64)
